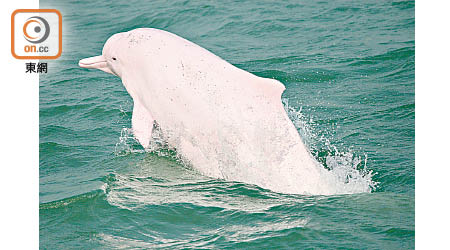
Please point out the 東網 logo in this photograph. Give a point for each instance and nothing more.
(36, 34)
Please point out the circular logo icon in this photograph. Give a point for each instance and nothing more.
(36, 29)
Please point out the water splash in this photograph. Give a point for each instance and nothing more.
(127, 144)
(348, 173)
(349, 176)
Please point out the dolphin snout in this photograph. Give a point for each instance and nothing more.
(95, 62)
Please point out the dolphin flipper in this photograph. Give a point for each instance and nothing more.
(142, 122)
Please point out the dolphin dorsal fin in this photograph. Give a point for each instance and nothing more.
(271, 87)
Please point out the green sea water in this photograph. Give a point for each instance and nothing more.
(348, 68)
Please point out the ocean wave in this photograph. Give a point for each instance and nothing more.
(77, 199)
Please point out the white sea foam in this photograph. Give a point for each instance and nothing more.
(130, 192)
(119, 242)
(243, 233)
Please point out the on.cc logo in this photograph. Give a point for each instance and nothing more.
(36, 29)
(36, 34)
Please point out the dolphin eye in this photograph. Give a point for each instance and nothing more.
(114, 58)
